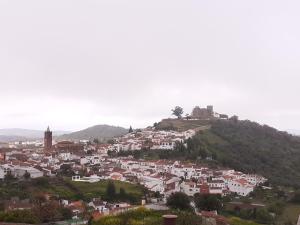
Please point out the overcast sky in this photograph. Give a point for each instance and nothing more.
(72, 64)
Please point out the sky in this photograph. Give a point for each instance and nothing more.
(72, 64)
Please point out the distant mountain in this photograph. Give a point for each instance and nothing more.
(101, 132)
(4, 138)
(17, 134)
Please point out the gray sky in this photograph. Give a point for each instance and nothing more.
(72, 64)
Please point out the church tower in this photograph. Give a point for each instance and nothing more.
(48, 139)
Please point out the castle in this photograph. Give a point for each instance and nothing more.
(203, 113)
(208, 113)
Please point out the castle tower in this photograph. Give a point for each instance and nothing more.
(210, 110)
(48, 139)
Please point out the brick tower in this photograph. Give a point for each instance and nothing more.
(48, 139)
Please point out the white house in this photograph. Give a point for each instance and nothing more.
(240, 187)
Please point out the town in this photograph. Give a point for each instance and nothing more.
(90, 162)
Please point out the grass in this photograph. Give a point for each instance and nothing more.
(91, 190)
(183, 125)
(238, 221)
(290, 214)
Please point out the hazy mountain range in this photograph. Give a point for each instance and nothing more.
(17, 134)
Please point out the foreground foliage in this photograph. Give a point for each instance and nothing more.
(143, 216)
(66, 189)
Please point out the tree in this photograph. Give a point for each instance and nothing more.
(26, 175)
(8, 177)
(66, 170)
(48, 211)
(96, 141)
(130, 130)
(66, 213)
(179, 201)
(111, 190)
(123, 193)
(177, 111)
(208, 202)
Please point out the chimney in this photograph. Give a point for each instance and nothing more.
(170, 219)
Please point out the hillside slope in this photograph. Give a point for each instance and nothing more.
(182, 125)
(250, 147)
(243, 145)
(101, 132)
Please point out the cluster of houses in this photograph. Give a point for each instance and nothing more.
(150, 138)
(167, 177)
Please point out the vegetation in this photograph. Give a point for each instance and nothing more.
(177, 111)
(41, 213)
(208, 202)
(67, 189)
(182, 124)
(143, 216)
(179, 201)
(238, 221)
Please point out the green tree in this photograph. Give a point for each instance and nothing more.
(177, 111)
(66, 170)
(111, 190)
(208, 202)
(8, 177)
(179, 201)
(123, 193)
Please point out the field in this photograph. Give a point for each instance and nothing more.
(67, 189)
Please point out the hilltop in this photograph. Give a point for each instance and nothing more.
(239, 144)
(182, 124)
(100, 132)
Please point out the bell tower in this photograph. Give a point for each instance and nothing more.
(48, 139)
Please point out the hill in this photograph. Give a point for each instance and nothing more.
(5, 138)
(243, 145)
(182, 125)
(101, 132)
(251, 147)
